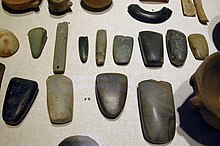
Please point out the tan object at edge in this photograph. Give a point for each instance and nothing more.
(188, 8)
(200, 12)
(21, 4)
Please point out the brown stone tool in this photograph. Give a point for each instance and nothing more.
(200, 12)
(188, 8)
(21, 4)
(96, 5)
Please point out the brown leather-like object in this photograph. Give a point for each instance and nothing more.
(164, 1)
(206, 85)
(21, 4)
(96, 5)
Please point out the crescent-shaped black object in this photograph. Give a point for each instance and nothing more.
(149, 17)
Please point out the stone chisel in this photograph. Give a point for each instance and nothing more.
(60, 48)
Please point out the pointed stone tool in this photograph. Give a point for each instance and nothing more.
(19, 97)
(188, 8)
(157, 112)
(199, 46)
(83, 48)
(176, 47)
(78, 140)
(2, 70)
(111, 93)
(59, 61)
(101, 45)
(60, 99)
(122, 49)
(37, 39)
(151, 45)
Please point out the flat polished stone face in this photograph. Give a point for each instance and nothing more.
(37, 39)
(151, 45)
(60, 99)
(83, 48)
(199, 46)
(122, 49)
(176, 47)
(78, 141)
(19, 97)
(101, 46)
(111, 93)
(157, 112)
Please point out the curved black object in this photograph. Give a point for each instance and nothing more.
(149, 17)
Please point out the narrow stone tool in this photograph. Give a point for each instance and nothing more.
(19, 97)
(101, 45)
(83, 48)
(60, 99)
(122, 49)
(59, 61)
(78, 140)
(37, 39)
(151, 45)
(199, 46)
(111, 93)
(157, 112)
(188, 8)
(200, 12)
(2, 70)
(176, 47)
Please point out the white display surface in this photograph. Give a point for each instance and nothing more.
(37, 130)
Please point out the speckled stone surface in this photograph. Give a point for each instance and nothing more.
(59, 61)
(60, 99)
(78, 140)
(176, 47)
(199, 46)
(83, 48)
(19, 97)
(157, 112)
(151, 45)
(101, 46)
(122, 49)
(37, 39)
(111, 93)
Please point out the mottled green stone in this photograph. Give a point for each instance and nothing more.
(37, 39)
(199, 46)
